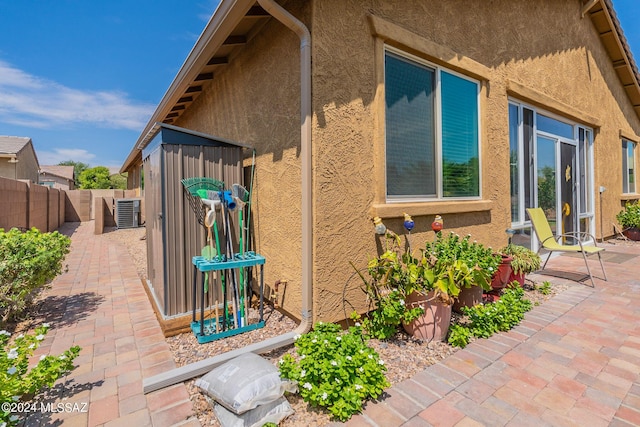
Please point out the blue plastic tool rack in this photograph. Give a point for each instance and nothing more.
(203, 329)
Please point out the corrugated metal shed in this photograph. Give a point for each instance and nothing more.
(174, 235)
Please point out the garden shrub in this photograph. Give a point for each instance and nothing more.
(28, 260)
(18, 384)
(335, 370)
(485, 320)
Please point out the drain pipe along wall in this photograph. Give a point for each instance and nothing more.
(202, 367)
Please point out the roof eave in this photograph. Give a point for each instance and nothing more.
(224, 20)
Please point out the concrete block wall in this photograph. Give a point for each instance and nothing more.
(13, 204)
(78, 206)
(26, 205)
(39, 207)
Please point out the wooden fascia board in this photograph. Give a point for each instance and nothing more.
(226, 17)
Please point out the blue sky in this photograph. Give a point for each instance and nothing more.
(82, 78)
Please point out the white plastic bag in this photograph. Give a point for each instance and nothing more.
(273, 412)
(244, 383)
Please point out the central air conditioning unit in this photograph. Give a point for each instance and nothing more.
(128, 213)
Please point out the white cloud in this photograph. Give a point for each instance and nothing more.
(62, 154)
(30, 100)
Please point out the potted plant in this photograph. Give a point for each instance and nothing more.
(524, 261)
(406, 290)
(629, 219)
(469, 265)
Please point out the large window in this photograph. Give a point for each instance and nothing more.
(432, 137)
(628, 167)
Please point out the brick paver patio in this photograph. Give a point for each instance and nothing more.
(573, 361)
(100, 304)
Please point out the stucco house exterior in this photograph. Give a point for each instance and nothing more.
(18, 159)
(470, 109)
(57, 176)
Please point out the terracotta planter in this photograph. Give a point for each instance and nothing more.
(434, 323)
(632, 233)
(468, 297)
(517, 278)
(501, 277)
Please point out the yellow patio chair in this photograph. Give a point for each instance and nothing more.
(550, 242)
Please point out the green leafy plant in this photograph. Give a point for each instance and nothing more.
(524, 260)
(17, 381)
(629, 217)
(485, 320)
(28, 260)
(545, 288)
(335, 370)
(392, 277)
(461, 262)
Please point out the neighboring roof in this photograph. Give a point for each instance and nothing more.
(65, 172)
(13, 144)
(235, 22)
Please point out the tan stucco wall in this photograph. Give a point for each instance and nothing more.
(540, 52)
(256, 100)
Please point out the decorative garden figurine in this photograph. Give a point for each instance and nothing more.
(381, 229)
(408, 222)
(437, 224)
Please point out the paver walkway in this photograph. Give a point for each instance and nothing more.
(573, 361)
(100, 304)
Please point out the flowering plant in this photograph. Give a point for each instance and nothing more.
(17, 382)
(335, 370)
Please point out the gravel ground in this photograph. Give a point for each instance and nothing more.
(403, 355)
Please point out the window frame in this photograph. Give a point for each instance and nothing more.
(627, 145)
(438, 139)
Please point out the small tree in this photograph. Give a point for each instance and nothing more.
(119, 181)
(95, 178)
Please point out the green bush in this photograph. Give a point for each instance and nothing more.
(485, 320)
(17, 382)
(335, 370)
(629, 217)
(28, 260)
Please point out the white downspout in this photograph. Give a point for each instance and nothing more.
(202, 367)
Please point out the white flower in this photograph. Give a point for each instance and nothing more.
(314, 340)
(361, 369)
(281, 361)
(13, 354)
(334, 363)
(46, 325)
(303, 373)
(40, 337)
(324, 396)
(361, 351)
(339, 338)
(380, 362)
(295, 337)
(370, 356)
(358, 387)
(20, 336)
(401, 302)
(303, 356)
(348, 358)
(42, 357)
(338, 381)
(3, 332)
(62, 357)
(358, 324)
(326, 342)
(307, 386)
(31, 346)
(12, 370)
